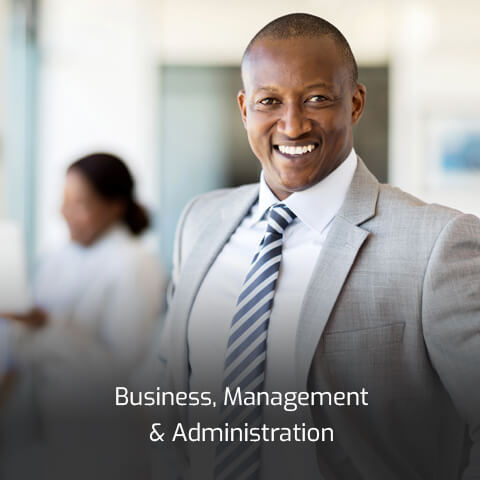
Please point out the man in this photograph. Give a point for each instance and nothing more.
(368, 289)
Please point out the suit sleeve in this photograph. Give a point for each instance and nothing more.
(171, 460)
(451, 322)
(178, 250)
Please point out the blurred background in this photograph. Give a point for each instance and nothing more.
(154, 81)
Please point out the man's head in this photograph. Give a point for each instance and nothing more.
(300, 100)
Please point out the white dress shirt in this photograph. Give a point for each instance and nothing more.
(215, 303)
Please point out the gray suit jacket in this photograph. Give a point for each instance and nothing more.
(393, 306)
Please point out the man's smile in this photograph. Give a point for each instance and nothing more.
(295, 150)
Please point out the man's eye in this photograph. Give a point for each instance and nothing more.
(269, 101)
(317, 99)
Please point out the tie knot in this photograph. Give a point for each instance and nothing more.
(279, 217)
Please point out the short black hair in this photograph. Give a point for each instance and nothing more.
(304, 25)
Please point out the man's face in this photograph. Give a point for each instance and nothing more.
(298, 107)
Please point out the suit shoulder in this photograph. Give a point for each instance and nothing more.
(207, 203)
(410, 229)
(408, 219)
(394, 201)
(220, 193)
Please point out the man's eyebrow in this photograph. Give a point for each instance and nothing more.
(320, 85)
(267, 88)
(273, 89)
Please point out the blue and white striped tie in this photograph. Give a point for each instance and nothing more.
(246, 348)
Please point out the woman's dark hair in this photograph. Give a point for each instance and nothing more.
(112, 180)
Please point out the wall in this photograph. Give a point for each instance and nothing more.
(97, 92)
(3, 46)
(218, 31)
(435, 64)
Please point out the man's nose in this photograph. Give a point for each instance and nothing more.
(294, 122)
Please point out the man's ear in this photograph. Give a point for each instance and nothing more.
(358, 102)
(242, 104)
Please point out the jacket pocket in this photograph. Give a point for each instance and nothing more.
(362, 339)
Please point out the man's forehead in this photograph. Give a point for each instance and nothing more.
(268, 47)
(311, 55)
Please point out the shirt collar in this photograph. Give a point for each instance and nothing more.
(316, 206)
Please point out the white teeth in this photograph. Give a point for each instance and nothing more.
(300, 150)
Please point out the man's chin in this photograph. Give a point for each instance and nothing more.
(297, 185)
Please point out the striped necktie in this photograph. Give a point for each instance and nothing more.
(246, 348)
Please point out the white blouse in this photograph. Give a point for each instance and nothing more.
(102, 302)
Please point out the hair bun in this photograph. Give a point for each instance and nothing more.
(136, 218)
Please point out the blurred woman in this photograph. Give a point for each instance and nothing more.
(101, 293)
(97, 301)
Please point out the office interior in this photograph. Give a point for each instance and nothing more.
(155, 82)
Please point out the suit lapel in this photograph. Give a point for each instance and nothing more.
(333, 265)
(210, 242)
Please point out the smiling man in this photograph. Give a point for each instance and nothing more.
(300, 101)
(323, 283)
